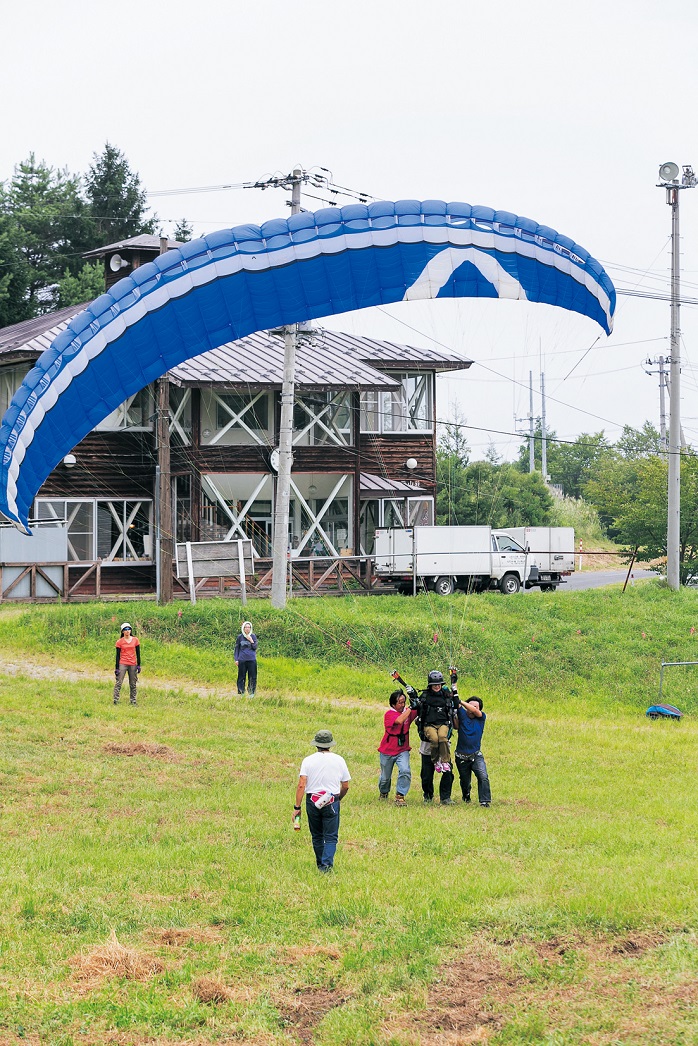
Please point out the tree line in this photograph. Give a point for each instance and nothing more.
(623, 483)
(49, 218)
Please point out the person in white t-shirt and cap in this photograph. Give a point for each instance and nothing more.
(324, 781)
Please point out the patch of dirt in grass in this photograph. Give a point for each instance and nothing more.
(492, 985)
(149, 748)
(177, 937)
(305, 1009)
(637, 943)
(113, 960)
(212, 990)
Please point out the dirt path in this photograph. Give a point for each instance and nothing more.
(33, 668)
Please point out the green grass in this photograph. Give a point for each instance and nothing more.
(590, 841)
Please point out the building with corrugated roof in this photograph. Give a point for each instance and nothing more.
(364, 442)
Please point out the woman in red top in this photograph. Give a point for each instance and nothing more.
(128, 659)
(395, 748)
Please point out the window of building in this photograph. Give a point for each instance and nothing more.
(235, 418)
(114, 531)
(392, 512)
(322, 417)
(134, 413)
(407, 409)
(10, 380)
(180, 415)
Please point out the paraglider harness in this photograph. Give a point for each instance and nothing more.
(418, 702)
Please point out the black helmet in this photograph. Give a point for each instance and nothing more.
(434, 677)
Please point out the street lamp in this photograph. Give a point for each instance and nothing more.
(669, 180)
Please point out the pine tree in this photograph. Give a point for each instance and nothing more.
(116, 200)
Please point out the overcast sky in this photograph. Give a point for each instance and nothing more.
(555, 111)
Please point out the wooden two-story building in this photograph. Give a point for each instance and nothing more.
(364, 443)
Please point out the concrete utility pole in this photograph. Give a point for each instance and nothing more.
(531, 429)
(543, 433)
(285, 450)
(663, 382)
(668, 174)
(163, 522)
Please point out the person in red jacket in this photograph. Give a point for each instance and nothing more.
(128, 659)
(395, 748)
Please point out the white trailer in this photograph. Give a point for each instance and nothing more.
(550, 552)
(446, 558)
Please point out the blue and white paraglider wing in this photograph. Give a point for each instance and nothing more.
(249, 278)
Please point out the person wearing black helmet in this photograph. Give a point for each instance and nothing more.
(436, 710)
(438, 705)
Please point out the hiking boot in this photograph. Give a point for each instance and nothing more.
(383, 795)
(447, 802)
(400, 800)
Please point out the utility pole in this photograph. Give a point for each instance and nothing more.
(668, 174)
(531, 429)
(543, 433)
(163, 522)
(285, 449)
(663, 383)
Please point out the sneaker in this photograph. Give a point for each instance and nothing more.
(438, 767)
(484, 804)
(446, 768)
(428, 799)
(400, 800)
(447, 802)
(251, 693)
(467, 799)
(382, 795)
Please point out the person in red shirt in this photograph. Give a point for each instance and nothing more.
(128, 659)
(395, 748)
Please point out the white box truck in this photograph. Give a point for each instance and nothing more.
(446, 558)
(550, 552)
(472, 558)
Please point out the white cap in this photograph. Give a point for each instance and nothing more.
(125, 625)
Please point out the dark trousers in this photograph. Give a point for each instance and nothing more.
(249, 669)
(427, 776)
(324, 831)
(474, 764)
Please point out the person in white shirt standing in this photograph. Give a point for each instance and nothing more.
(324, 780)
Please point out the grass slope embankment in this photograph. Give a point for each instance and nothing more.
(563, 914)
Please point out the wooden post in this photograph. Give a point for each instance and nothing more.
(164, 523)
(190, 571)
(243, 583)
(356, 504)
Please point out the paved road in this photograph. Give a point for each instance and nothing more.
(599, 578)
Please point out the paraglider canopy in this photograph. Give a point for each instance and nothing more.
(238, 281)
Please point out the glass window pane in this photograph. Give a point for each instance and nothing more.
(369, 411)
(137, 516)
(80, 516)
(109, 530)
(257, 417)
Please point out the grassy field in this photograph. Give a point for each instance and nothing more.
(153, 890)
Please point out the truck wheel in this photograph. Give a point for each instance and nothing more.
(509, 585)
(443, 586)
(548, 588)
